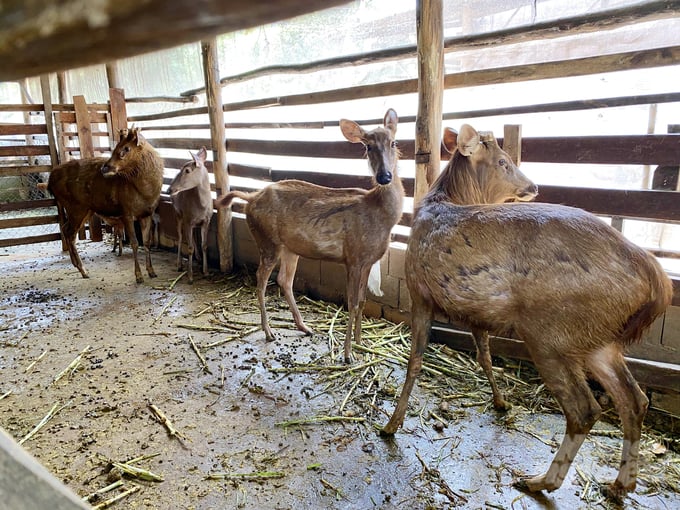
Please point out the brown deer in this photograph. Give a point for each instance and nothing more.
(192, 200)
(352, 226)
(568, 285)
(126, 186)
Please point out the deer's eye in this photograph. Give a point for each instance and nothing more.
(394, 144)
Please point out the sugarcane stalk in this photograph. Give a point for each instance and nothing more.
(72, 366)
(51, 414)
(136, 472)
(165, 421)
(164, 309)
(245, 476)
(319, 419)
(32, 364)
(204, 363)
(109, 502)
(103, 490)
(174, 282)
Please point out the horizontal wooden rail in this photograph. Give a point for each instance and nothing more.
(45, 238)
(22, 129)
(28, 221)
(611, 150)
(639, 204)
(24, 150)
(27, 204)
(8, 171)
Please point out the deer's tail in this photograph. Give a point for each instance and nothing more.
(227, 199)
(660, 297)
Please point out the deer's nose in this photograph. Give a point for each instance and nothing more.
(384, 178)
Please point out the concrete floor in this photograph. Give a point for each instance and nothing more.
(231, 412)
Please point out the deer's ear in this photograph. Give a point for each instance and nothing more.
(450, 139)
(200, 156)
(391, 120)
(468, 140)
(352, 131)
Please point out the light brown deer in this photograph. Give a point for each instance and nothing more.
(192, 200)
(126, 186)
(568, 285)
(352, 226)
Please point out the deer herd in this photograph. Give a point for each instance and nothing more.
(573, 289)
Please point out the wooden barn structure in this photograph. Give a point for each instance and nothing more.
(60, 128)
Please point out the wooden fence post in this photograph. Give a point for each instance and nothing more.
(430, 28)
(86, 151)
(512, 142)
(217, 136)
(118, 115)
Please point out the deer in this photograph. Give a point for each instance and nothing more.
(192, 200)
(574, 289)
(291, 219)
(125, 186)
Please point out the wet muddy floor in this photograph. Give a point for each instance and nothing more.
(257, 425)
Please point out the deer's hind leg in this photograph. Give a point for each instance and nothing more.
(566, 379)
(285, 278)
(421, 320)
(145, 224)
(608, 367)
(269, 256)
(71, 224)
(481, 338)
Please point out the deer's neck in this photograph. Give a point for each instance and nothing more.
(390, 196)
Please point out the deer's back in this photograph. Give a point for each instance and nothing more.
(544, 271)
(80, 184)
(318, 222)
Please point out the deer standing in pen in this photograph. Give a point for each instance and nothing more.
(352, 226)
(192, 200)
(571, 287)
(126, 186)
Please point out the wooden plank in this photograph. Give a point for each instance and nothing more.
(86, 148)
(95, 117)
(44, 238)
(84, 127)
(512, 142)
(262, 173)
(612, 150)
(659, 376)
(118, 114)
(9, 171)
(24, 150)
(22, 129)
(123, 29)
(217, 137)
(27, 204)
(49, 118)
(641, 204)
(193, 144)
(28, 221)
